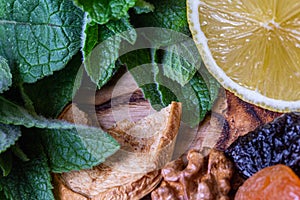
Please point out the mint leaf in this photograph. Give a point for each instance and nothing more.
(121, 26)
(103, 11)
(29, 180)
(142, 6)
(18, 152)
(100, 63)
(181, 58)
(66, 151)
(11, 113)
(95, 141)
(90, 36)
(180, 61)
(5, 75)
(5, 163)
(51, 94)
(143, 69)
(101, 47)
(39, 37)
(169, 14)
(212, 84)
(197, 95)
(201, 90)
(9, 134)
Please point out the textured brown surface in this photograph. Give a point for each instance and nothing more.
(73, 114)
(204, 177)
(116, 179)
(240, 118)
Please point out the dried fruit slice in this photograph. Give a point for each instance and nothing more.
(272, 183)
(252, 48)
(133, 171)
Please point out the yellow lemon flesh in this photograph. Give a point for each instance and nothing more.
(252, 47)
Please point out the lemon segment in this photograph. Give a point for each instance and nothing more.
(252, 47)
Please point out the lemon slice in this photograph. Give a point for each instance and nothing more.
(252, 47)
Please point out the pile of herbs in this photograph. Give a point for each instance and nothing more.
(42, 46)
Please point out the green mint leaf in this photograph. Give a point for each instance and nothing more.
(9, 134)
(51, 94)
(201, 90)
(197, 95)
(28, 104)
(101, 46)
(142, 68)
(90, 36)
(95, 141)
(212, 84)
(5, 163)
(11, 113)
(103, 11)
(5, 75)
(75, 149)
(39, 37)
(29, 180)
(170, 14)
(18, 152)
(142, 6)
(177, 61)
(121, 26)
(100, 63)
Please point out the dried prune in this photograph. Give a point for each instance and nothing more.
(277, 142)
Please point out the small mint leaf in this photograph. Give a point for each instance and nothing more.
(141, 67)
(103, 11)
(5, 163)
(5, 75)
(142, 6)
(18, 152)
(39, 37)
(124, 29)
(179, 61)
(212, 84)
(90, 36)
(169, 14)
(9, 134)
(101, 46)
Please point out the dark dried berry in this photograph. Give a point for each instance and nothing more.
(277, 142)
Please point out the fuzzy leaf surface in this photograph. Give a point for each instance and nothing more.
(38, 37)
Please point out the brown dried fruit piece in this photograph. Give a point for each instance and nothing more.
(204, 178)
(271, 183)
(240, 118)
(134, 170)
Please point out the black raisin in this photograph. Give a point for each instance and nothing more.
(277, 142)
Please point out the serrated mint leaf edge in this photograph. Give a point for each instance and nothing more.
(9, 134)
(5, 75)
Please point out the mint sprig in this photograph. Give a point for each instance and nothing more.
(43, 45)
(103, 11)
